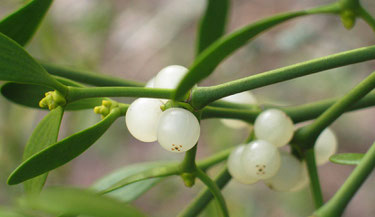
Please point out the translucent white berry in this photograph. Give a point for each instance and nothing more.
(289, 175)
(142, 118)
(245, 98)
(325, 146)
(170, 76)
(274, 126)
(261, 159)
(150, 83)
(304, 181)
(236, 167)
(178, 130)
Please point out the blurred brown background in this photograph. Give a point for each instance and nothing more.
(134, 39)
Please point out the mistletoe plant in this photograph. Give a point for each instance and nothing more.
(170, 109)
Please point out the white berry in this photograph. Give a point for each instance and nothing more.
(289, 175)
(245, 98)
(304, 181)
(274, 126)
(142, 118)
(170, 76)
(178, 130)
(325, 146)
(236, 167)
(261, 159)
(150, 83)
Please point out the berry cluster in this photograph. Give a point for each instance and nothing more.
(262, 160)
(176, 129)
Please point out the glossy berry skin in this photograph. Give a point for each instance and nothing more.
(178, 130)
(304, 181)
(170, 76)
(261, 159)
(236, 167)
(325, 146)
(245, 98)
(274, 126)
(150, 83)
(289, 175)
(142, 119)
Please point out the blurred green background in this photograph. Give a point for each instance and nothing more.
(134, 39)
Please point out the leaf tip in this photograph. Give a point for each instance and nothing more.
(12, 179)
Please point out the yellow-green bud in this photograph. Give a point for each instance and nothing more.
(348, 19)
(52, 100)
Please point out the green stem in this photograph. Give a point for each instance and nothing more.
(205, 196)
(313, 110)
(188, 164)
(314, 178)
(337, 204)
(90, 92)
(367, 17)
(205, 95)
(242, 114)
(214, 159)
(298, 113)
(158, 172)
(88, 77)
(307, 135)
(188, 167)
(214, 189)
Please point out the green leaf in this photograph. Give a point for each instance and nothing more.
(347, 158)
(22, 24)
(44, 135)
(18, 66)
(131, 191)
(30, 94)
(211, 57)
(70, 201)
(61, 152)
(162, 170)
(7, 212)
(213, 23)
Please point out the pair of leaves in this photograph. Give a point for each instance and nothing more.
(211, 57)
(61, 152)
(347, 158)
(22, 24)
(71, 202)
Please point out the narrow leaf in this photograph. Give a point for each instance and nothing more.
(347, 158)
(213, 23)
(211, 57)
(44, 135)
(7, 212)
(30, 94)
(86, 77)
(62, 152)
(18, 66)
(131, 191)
(22, 24)
(167, 169)
(69, 201)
